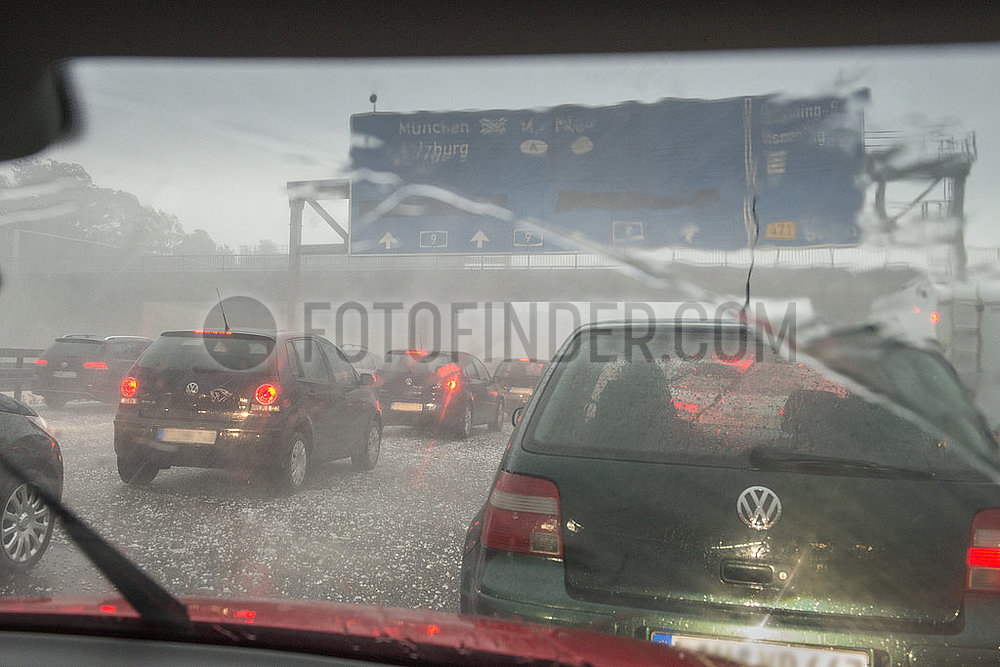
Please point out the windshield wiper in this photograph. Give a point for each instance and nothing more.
(794, 462)
(151, 601)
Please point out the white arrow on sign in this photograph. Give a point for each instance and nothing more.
(479, 239)
(389, 240)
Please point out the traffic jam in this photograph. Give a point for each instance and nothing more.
(282, 424)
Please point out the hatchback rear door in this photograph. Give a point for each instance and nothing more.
(195, 377)
(749, 485)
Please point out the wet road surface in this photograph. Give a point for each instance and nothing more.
(392, 536)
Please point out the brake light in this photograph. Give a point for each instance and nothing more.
(95, 364)
(129, 387)
(935, 317)
(41, 362)
(524, 359)
(417, 353)
(983, 556)
(522, 516)
(266, 393)
(209, 332)
(451, 384)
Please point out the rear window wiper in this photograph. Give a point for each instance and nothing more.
(830, 465)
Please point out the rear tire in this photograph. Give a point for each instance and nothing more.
(294, 470)
(366, 455)
(25, 526)
(497, 422)
(136, 469)
(463, 427)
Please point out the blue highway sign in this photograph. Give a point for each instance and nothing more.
(682, 173)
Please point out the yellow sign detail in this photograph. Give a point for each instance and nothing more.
(781, 231)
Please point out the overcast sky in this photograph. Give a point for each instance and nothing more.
(214, 142)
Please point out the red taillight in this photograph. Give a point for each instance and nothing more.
(451, 384)
(95, 364)
(983, 556)
(266, 393)
(40, 362)
(417, 353)
(129, 387)
(935, 317)
(523, 516)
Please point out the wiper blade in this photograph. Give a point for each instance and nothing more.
(760, 460)
(150, 600)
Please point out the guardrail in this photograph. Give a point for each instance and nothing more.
(861, 258)
(14, 375)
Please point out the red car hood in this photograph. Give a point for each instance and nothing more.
(376, 633)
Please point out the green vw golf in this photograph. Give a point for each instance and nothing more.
(835, 504)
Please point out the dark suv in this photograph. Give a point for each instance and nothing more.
(85, 366)
(452, 390)
(517, 379)
(271, 403)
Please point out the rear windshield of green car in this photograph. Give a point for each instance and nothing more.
(699, 397)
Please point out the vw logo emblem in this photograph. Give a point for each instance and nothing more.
(408, 382)
(759, 507)
(192, 388)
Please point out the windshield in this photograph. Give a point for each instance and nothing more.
(520, 370)
(181, 353)
(812, 231)
(89, 349)
(737, 407)
(417, 362)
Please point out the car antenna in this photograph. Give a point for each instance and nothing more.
(222, 308)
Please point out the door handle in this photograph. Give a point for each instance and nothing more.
(738, 572)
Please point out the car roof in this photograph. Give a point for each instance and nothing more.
(693, 324)
(100, 339)
(42, 38)
(277, 336)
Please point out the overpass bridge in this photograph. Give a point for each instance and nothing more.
(148, 293)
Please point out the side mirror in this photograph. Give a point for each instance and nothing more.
(367, 379)
(515, 417)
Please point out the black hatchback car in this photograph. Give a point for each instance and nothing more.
(692, 487)
(226, 399)
(517, 379)
(84, 366)
(26, 521)
(448, 390)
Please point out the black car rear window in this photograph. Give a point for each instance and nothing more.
(521, 370)
(417, 362)
(83, 349)
(181, 353)
(697, 398)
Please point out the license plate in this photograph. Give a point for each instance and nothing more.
(188, 436)
(764, 654)
(64, 374)
(408, 407)
(522, 392)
